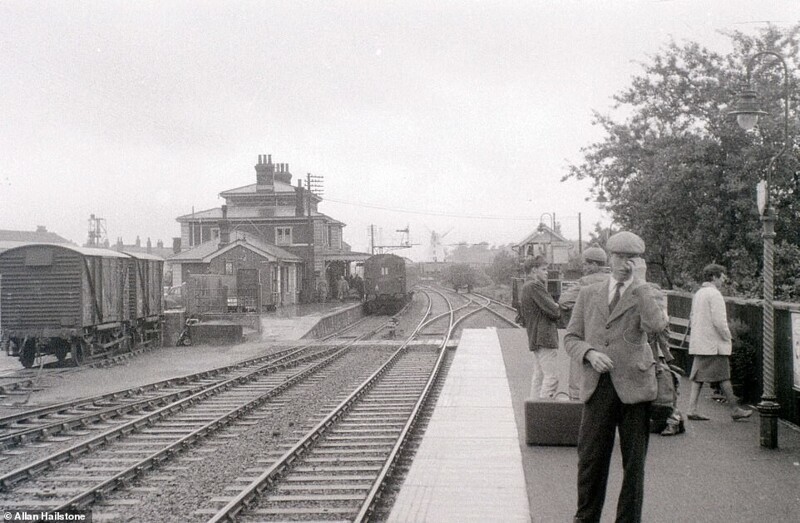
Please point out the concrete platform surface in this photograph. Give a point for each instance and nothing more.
(468, 466)
(715, 472)
(292, 322)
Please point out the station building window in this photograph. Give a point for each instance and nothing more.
(283, 235)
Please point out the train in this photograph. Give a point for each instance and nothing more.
(387, 284)
(64, 300)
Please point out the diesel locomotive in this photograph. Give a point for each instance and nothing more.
(387, 286)
(59, 299)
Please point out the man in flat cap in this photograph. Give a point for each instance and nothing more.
(607, 335)
(594, 271)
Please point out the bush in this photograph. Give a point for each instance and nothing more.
(744, 361)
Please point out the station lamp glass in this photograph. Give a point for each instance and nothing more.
(746, 109)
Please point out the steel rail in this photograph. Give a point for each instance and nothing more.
(250, 494)
(7, 440)
(87, 497)
(11, 478)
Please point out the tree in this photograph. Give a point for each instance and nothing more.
(505, 266)
(460, 275)
(680, 173)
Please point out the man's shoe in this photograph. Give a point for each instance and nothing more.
(740, 413)
(699, 417)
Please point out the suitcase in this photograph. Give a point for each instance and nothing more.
(552, 422)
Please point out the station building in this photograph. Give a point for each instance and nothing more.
(276, 220)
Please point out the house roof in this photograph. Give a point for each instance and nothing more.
(247, 213)
(41, 236)
(278, 186)
(542, 234)
(204, 252)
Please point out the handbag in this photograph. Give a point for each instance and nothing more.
(667, 393)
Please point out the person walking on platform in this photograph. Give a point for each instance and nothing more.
(541, 313)
(594, 271)
(607, 335)
(710, 343)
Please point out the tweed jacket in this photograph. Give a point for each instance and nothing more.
(541, 312)
(621, 334)
(710, 334)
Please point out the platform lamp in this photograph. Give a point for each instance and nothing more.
(747, 113)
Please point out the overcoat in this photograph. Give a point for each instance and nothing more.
(709, 323)
(621, 334)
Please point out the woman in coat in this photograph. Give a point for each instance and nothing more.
(710, 343)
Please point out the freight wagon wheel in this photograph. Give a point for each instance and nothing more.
(61, 349)
(79, 352)
(27, 356)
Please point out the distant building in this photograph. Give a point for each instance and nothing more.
(547, 242)
(10, 239)
(276, 213)
(267, 273)
(148, 248)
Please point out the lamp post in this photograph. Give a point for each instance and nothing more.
(747, 113)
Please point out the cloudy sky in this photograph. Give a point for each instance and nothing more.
(445, 116)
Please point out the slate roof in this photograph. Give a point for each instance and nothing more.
(203, 252)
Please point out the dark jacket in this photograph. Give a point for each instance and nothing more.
(541, 313)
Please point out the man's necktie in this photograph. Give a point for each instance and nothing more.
(615, 299)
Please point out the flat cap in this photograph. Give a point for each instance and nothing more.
(595, 254)
(625, 243)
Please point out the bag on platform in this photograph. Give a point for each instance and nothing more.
(667, 392)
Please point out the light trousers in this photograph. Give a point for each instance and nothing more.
(544, 383)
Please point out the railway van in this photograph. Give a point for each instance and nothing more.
(386, 286)
(63, 300)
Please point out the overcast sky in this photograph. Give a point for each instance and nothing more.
(448, 116)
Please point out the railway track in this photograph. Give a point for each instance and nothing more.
(341, 468)
(92, 413)
(77, 476)
(341, 465)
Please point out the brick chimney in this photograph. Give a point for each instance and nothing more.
(176, 245)
(265, 173)
(224, 228)
(283, 174)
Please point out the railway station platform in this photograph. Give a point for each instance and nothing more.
(474, 464)
(293, 322)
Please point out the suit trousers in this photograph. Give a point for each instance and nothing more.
(603, 414)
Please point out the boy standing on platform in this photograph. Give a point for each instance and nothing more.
(541, 312)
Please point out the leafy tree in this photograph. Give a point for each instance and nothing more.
(460, 275)
(505, 266)
(678, 171)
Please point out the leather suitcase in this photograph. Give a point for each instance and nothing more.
(551, 422)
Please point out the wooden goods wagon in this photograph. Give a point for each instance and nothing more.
(61, 299)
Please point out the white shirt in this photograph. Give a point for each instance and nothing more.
(612, 287)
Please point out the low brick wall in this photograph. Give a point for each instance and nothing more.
(215, 333)
(335, 321)
(245, 319)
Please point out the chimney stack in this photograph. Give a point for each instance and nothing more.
(265, 172)
(283, 174)
(176, 245)
(224, 228)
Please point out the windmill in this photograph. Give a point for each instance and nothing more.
(436, 249)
